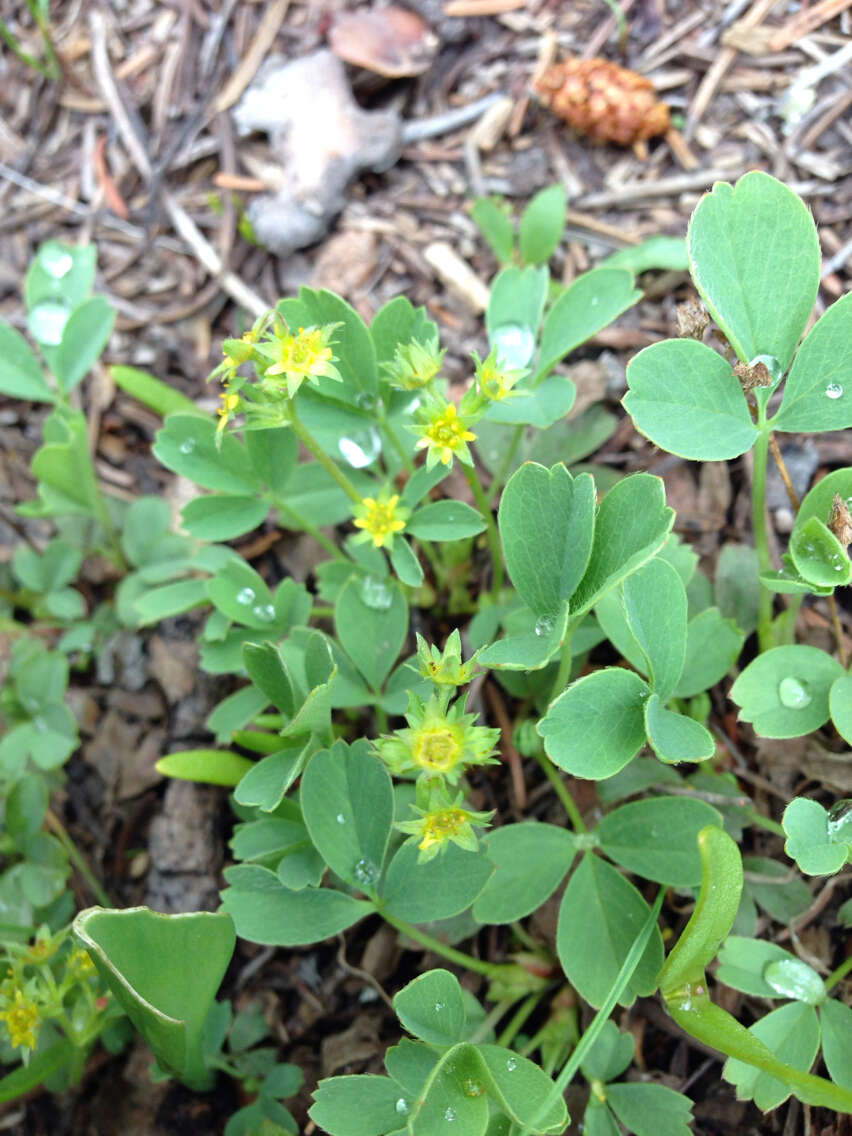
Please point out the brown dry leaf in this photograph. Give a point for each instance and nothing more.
(346, 262)
(393, 42)
(174, 665)
(358, 1043)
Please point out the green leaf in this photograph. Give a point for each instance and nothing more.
(840, 705)
(514, 311)
(431, 1008)
(362, 1105)
(597, 725)
(547, 521)
(590, 303)
(405, 563)
(210, 766)
(818, 392)
(236, 711)
(837, 1041)
(445, 520)
(347, 801)
(808, 840)
(267, 781)
(658, 838)
(792, 1033)
(518, 1087)
(675, 737)
(531, 650)
(496, 226)
(713, 645)
(242, 595)
(542, 224)
(269, 673)
(51, 276)
(222, 518)
(755, 259)
(49, 570)
(187, 444)
(172, 599)
(818, 555)
(687, 400)
(354, 354)
(736, 585)
(778, 890)
(538, 406)
(766, 970)
(152, 392)
(371, 637)
(532, 860)
(164, 970)
(273, 455)
(266, 912)
(599, 917)
(20, 373)
(654, 252)
(438, 889)
(631, 526)
(610, 1054)
(784, 692)
(650, 1110)
(818, 501)
(83, 339)
(39, 1067)
(444, 1096)
(396, 324)
(64, 465)
(655, 608)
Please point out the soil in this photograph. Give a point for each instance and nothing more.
(135, 138)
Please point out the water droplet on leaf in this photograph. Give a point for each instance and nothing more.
(402, 1106)
(47, 322)
(511, 1064)
(473, 1088)
(376, 594)
(772, 365)
(361, 448)
(341, 819)
(187, 445)
(545, 624)
(515, 344)
(792, 978)
(366, 873)
(55, 260)
(264, 612)
(438, 1007)
(245, 596)
(834, 390)
(793, 693)
(40, 725)
(365, 400)
(840, 822)
(450, 1115)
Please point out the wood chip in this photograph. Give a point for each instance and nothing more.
(457, 276)
(462, 8)
(264, 38)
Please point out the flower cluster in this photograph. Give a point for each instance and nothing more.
(379, 518)
(440, 742)
(22, 1019)
(444, 435)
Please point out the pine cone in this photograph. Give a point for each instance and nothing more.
(603, 100)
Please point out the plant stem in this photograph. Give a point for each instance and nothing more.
(300, 522)
(432, 944)
(310, 443)
(839, 974)
(564, 671)
(77, 859)
(517, 1020)
(838, 631)
(499, 478)
(761, 534)
(493, 535)
(396, 442)
(562, 793)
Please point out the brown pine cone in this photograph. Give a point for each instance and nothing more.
(604, 101)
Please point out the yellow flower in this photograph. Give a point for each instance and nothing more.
(444, 822)
(495, 380)
(80, 964)
(438, 742)
(380, 519)
(303, 356)
(230, 403)
(40, 951)
(444, 436)
(22, 1021)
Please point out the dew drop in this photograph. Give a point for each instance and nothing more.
(47, 322)
(595, 301)
(245, 596)
(376, 594)
(473, 1088)
(402, 1106)
(40, 725)
(187, 445)
(772, 365)
(438, 1007)
(361, 448)
(792, 978)
(511, 1064)
(56, 260)
(366, 873)
(365, 400)
(341, 819)
(515, 344)
(840, 822)
(793, 693)
(264, 612)
(545, 624)
(834, 390)
(450, 1115)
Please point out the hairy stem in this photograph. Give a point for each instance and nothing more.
(310, 443)
(761, 537)
(480, 966)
